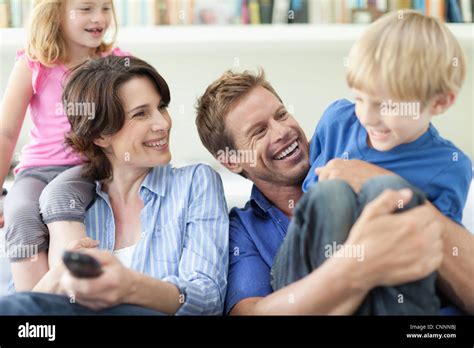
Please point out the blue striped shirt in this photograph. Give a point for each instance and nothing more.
(184, 237)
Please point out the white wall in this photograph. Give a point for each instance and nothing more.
(304, 64)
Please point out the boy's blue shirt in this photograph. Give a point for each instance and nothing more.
(433, 164)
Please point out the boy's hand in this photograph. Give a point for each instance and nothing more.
(354, 172)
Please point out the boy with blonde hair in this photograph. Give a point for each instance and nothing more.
(404, 70)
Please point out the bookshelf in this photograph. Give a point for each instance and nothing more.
(15, 13)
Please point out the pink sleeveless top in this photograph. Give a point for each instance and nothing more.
(46, 145)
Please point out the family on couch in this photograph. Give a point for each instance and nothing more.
(163, 235)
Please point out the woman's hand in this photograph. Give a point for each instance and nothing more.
(83, 243)
(107, 290)
(50, 281)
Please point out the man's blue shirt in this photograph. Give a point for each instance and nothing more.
(256, 233)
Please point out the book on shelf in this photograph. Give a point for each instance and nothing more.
(4, 14)
(266, 11)
(299, 10)
(15, 13)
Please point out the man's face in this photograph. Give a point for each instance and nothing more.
(260, 123)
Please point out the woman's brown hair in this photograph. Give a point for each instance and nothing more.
(94, 108)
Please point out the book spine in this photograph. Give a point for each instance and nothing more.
(266, 9)
(16, 13)
(245, 12)
(144, 12)
(454, 12)
(442, 10)
(4, 14)
(466, 10)
(382, 5)
(280, 11)
(254, 12)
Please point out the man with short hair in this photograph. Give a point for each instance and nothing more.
(243, 112)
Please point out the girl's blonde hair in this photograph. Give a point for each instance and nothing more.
(44, 40)
(413, 56)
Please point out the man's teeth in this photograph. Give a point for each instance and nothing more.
(156, 143)
(287, 151)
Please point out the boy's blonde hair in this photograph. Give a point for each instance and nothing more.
(413, 56)
(45, 42)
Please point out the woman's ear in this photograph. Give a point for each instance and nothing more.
(441, 103)
(102, 142)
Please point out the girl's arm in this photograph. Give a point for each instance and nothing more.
(13, 109)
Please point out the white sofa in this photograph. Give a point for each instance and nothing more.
(237, 192)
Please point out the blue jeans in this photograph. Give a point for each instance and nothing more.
(36, 303)
(321, 223)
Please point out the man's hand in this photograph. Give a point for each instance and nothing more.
(107, 290)
(354, 172)
(398, 248)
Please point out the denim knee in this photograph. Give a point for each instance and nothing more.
(330, 205)
(375, 186)
(329, 196)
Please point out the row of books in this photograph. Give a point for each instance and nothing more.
(15, 13)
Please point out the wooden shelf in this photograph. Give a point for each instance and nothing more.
(295, 34)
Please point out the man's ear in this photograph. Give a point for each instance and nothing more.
(233, 167)
(441, 103)
(102, 142)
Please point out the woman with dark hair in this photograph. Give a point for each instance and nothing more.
(162, 232)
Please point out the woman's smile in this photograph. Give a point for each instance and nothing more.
(157, 144)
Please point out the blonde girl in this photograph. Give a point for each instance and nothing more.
(41, 213)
